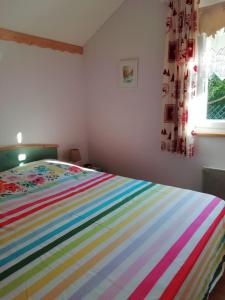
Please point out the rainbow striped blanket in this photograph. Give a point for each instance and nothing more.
(72, 233)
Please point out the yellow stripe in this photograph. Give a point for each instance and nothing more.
(57, 170)
(54, 214)
(19, 223)
(209, 274)
(55, 206)
(202, 268)
(212, 266)
(60, 269)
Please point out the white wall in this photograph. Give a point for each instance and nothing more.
(42, 95)
(124, 124)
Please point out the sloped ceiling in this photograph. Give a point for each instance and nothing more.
(70, 21)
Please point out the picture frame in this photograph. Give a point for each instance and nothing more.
(128, 73)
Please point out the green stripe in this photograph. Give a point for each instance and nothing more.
(217, 273)
(222, 241)
(69, 234)
(69, 247)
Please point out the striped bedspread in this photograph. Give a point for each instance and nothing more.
(72, 233)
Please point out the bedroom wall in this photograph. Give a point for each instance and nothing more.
(42, 95)
(124, 124)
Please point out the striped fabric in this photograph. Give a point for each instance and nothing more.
(102, 236)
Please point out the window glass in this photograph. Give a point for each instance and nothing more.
(215, 47)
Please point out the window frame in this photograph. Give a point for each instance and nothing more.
(204, 125)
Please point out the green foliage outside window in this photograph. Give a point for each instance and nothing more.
(216, 98)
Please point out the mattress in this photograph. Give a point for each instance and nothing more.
(73, 233)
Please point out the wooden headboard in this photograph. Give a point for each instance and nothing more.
(9, 155)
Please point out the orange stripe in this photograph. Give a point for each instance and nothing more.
(63, 192)
(60, 208)
(174, 286)
(203, 265)
(147, 284)
(32, 211)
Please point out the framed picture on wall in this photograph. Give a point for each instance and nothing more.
(128, 72)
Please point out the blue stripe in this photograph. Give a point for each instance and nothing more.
(66, 226)
(150, 230)
(60, 219)
(50, 185)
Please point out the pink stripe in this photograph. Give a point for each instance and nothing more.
(33, 196)
(174, 286)
(150, 280)
(133, 269)
(30, 204)
(46, 204)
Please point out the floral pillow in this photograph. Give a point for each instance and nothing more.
(31, 176)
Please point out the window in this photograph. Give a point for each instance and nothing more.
(212, 82)
(215, 47)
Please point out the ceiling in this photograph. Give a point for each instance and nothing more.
(71, 21)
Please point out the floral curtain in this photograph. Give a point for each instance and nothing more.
(180, 77)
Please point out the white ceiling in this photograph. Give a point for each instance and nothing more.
(71, 21)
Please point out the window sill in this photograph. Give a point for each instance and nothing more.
(210, 128)
(208, 133)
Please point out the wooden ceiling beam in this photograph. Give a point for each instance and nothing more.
(12, 147)
(18, 37)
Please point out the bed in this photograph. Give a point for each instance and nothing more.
(74, 233)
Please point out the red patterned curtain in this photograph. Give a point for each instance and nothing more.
(180, 77)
